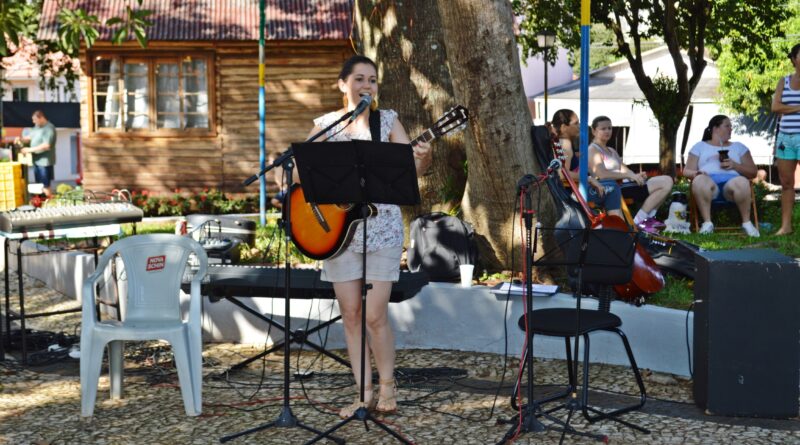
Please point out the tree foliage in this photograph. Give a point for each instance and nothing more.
(693, 26)
(19, 23)
(747, 81)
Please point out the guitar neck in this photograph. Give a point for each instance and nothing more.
(426, 136)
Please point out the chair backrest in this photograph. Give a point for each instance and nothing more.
(154, 266)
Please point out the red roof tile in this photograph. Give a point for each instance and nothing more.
(220, 19)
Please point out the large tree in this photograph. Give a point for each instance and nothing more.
(434, 54)
(690, 26)
(747, 81)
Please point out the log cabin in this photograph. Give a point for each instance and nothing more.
(182, 113)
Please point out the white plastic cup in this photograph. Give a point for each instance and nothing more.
(466, 274)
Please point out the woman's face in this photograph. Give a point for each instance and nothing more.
(571, 129)
(363, 81)
(603, 131)
(724, 130)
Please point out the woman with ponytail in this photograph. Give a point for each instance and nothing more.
(721, 170)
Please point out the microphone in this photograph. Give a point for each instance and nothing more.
(366, 101)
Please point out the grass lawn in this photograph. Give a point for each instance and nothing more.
(679, 294)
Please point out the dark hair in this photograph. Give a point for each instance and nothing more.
(561, 117)
(793, 53)
(715, 122)
(39, 113)
(596, 121)
(349, 64)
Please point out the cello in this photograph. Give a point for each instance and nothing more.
(647, 278)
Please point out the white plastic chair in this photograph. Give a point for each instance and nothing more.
(154, 265)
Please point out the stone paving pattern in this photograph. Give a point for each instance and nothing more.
(446, 397)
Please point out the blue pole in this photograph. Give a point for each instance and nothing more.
(262, 116)
(583, 169)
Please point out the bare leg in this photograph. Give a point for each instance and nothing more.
(786, 169)
(658, 189)
(737, 190)
(381, 341)
(348, 294)
(703, 190)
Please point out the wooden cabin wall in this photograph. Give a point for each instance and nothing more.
(301, 84)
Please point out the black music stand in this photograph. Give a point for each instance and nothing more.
(360, 172)
(287, 419)
(595, 256)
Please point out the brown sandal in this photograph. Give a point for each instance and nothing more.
(370, 402)
(387, 404)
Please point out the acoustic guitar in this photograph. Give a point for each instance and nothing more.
(322, 231)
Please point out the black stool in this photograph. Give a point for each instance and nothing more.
(595, 260)
(561, 322)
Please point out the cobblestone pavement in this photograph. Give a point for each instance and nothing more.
(446, 397)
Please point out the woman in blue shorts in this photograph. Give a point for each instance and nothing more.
(786, 102)
(721, 169)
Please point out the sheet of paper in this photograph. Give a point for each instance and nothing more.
(518, 289)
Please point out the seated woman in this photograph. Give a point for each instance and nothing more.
(565, 126)
(605, 164)
(715, 164)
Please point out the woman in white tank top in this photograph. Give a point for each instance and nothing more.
(605, 163)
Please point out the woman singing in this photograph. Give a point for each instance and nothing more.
(359, 78)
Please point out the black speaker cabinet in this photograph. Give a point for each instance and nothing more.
(746, 321)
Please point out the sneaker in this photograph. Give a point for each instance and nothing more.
(707, 227)
(651, 225)
(750, 229)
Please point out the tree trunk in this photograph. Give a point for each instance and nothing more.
(667, 143)
(484, 65)
(407, 44)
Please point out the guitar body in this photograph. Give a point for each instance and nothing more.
(322, 231)
(647, 277)
(310, 236)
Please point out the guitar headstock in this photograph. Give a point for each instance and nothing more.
(454, 119)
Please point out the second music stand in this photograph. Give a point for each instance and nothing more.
(363, 173)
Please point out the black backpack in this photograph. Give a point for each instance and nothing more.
(438, 244)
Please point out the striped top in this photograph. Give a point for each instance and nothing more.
(790, 123)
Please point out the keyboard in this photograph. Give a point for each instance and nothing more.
(267, 281)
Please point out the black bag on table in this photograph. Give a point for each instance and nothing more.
(439, 244)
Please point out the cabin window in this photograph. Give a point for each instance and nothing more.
(159, 94)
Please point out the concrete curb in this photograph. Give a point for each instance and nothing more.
(441, 316)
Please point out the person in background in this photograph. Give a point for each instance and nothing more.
(786, 102)
(41, 144)
(606, 164)
(565, 126)
(719, 167)
(358, 78)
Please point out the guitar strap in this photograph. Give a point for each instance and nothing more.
(375, 125)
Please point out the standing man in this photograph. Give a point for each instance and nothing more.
(41, 143)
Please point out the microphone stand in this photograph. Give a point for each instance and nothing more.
(287, 419)
(286, 155)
